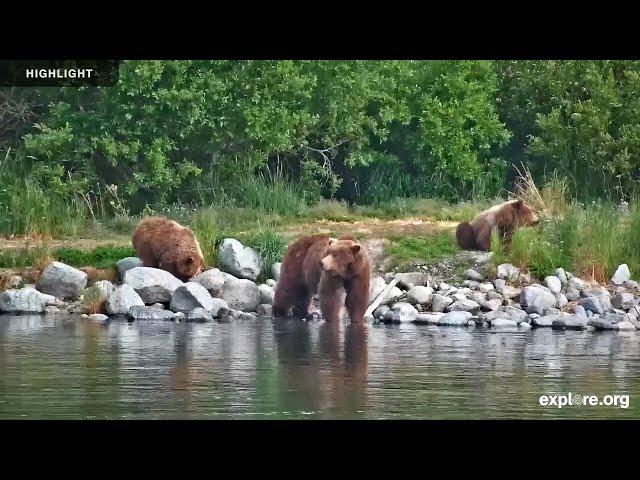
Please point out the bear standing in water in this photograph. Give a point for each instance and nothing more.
(328, 266)
(165, 244)
(506, 217)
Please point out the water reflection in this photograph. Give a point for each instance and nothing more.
(52, 367)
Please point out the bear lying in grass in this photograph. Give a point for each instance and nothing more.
(165, 244)
(505, 218)
(330, 267)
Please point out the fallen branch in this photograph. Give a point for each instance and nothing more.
(380, 297)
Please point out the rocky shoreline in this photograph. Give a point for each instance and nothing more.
(512, 301)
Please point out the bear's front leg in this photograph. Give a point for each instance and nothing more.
(357, 298)
(329, 292)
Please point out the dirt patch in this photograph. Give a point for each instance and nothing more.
(78, 243)
(370, 228)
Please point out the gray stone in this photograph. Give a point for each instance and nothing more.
(578, 284)
(157, 305)
(376, 287)
(26, 300)
(626, 326)
(271, 282)
(14, 282)
(275, 271)
(473, 275)
(623, 300)
(536, 298)
(553, 283)
(240, 294)
(265, 309)
(508, 272)
(152, 284)
(485, 287)
(141, 312)
(199, 315)
(614, 317)
(62, 281)
(98, 318)
(631, 285)
(591, 303)
(561, 300)
(503, 323)
(573, 294)
(179, 316)
(455, 318)
(127, 264)
(478, 297)
(440, 302)
(569, 322)
(494, 296)
(524, 326)
(621, 275)
(189, 296)
(444, 287)
(459, 297)
(471, 284)
(412, 279)
(105, 287)
(464, 306)
(491, 305)
(232, 314)
(380, 311)
(561, 275)
(402, 312)
(600, 323)
(239, 260)
(212, 280)
(388, 277)
(122, 299)
(266, 293)
(579, 311)
(428, 318)
(420, 294)
(52, 310)
(545, 321)
(393, 296)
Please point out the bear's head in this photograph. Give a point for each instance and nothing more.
(525, 215)
(342, 258)
(188, 266)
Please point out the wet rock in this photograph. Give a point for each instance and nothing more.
(152, 284)
(625, 326)
(62, 281)
(579, 311)
(240, 294)
(456, 318)
(508, 272)
(561, 275)
(239, 260)
(428, 318)
(127, 264)
(524, 326)
(190, 296)
(503, 323)
(212, 280)
(141, 312)
(122, 299)
(600, 323)
(536, 298)
(543, 321)
(473, 275)
(412, 279)
(440, 302)
(98, 318)
(592, 304)
(420, 294)
(232, 314)
(157, 305)
(381, 311)
(393, 296)
(402, 312)
(266, 293)
(553, 283)
(26, 300)
(199, 315)
(265, 309)
(569, 322)
(376, 287)
(52, 310)
(464, 306)
(623, 300)
(621, 275)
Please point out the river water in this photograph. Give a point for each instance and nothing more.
(68, 368)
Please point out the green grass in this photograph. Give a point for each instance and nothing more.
(269, 245)
(425, 249)
(101, 257)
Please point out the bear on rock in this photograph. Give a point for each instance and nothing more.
(165, 244)
(329, 266)
(505, 218)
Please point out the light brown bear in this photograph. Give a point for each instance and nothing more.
(330, 267)
(506, 217)
(165, 244)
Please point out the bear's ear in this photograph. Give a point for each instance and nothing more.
(518, 203)
(355, 248)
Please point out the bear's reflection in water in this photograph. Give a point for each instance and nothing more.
(324, 368)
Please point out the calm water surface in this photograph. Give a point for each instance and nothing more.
(66, 368)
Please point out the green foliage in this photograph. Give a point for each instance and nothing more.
(404, 250)
(270, 246)
(100, 257)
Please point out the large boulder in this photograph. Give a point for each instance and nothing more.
(623, 300)
(376, 287)
(409, 280)
(105, 287)
(536, 299)
(189, 296)
(267, 294)
(127, 264)
(152, 284)
(122, 299)
(458, 318)
(240, 294)
(238, 260)
(140, 312)
(420, 295)
(393, 296)
(199, 315)
(402, 312)
(212, 280)
(440, 302)
(62, 281)
(26, 300)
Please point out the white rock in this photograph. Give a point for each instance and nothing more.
(440, 302)
(26, 300)
(508, 272)
(212, 280)
(553, 283)
(153, 285)
(275, 271)
(240, 294)
(190, 296)
(240, 261)
(122, 299)
(419, 294)
(62, 281)
(621, 275)
(376, 287)
(403, 312)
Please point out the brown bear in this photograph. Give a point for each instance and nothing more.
(505, 217)
(163, 243)
(330, 267)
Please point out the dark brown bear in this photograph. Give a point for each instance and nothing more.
(506, 217)
(330, 267)
(163, 243)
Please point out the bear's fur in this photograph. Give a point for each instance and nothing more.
(330, 267)
(505, 217)
(165, 244)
